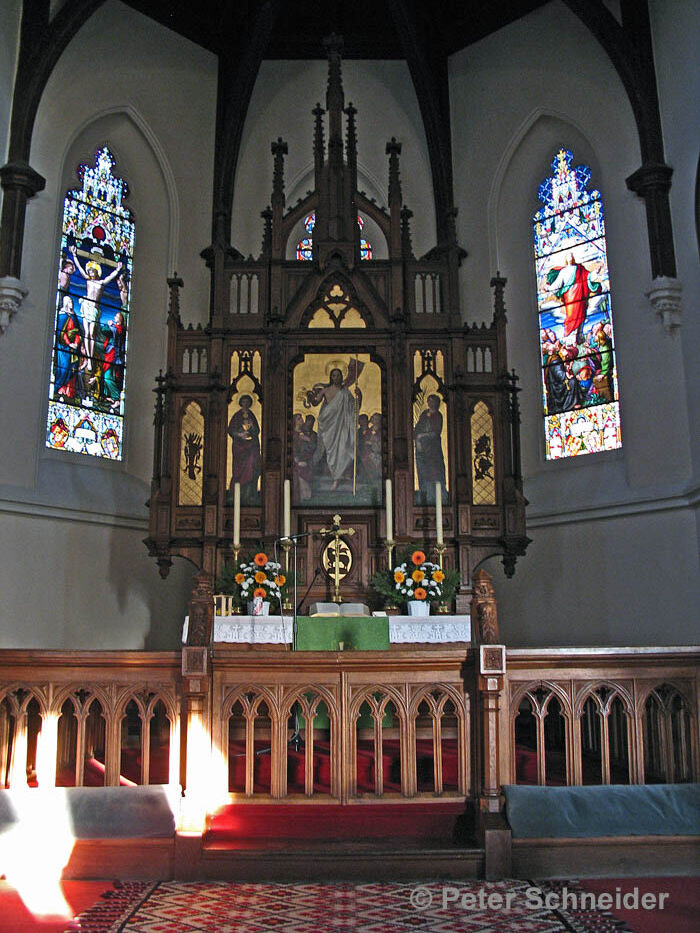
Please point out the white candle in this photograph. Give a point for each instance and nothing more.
(389, 513)
(287, 508)
(438, 511)
(236, 514)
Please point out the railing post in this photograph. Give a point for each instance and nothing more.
(493, 830)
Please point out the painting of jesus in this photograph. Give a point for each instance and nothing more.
(334, 398)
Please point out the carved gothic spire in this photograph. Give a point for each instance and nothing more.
(319, 143)
(406, 245)
(279, 151)
(335, 99)
(351, 145)
(393, 150)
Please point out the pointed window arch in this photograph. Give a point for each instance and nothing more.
(579, 372)
(91, 323)
(305, 246)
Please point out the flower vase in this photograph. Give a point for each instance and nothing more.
(418, 607)
(258, 607)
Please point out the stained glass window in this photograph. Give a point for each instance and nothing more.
(579, 372)
(91, 323)
(305, 245)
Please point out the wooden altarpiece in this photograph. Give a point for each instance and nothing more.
(243, 398)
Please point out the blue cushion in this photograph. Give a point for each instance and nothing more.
(603, 810)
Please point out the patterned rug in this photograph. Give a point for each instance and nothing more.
(434, 907)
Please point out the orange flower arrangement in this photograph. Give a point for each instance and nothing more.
(257, 577)
(417, 576)
(418, 558)
(419, 593)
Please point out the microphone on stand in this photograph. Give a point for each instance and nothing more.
(292, 538)
(317, 571)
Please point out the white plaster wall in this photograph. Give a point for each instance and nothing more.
(676, 26)
(285, 93)
(151, 97)
(512, 108)
(80, 585)
(625, 580)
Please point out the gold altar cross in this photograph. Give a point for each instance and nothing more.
(337, 555)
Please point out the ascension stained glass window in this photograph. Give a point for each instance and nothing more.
(305, 245)
(579, 372)
(91, 324)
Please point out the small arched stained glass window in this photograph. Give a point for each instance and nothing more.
(579, 372)
(91, 322)
(305, 245)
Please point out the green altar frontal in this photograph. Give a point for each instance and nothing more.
(358, 633)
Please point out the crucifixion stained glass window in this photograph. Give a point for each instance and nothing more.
(91, 323)
(579, 372)
(305, 245)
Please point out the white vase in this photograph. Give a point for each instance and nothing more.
(258, 607)
(418, 607)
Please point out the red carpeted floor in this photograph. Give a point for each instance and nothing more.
(681, 909)
(16, 918)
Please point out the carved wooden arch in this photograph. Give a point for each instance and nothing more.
(308, 297)
(378, 707)
(460, 703)
(651, 692)
(81, 707)
(33, 693)
(309, 709)
(233, 385)
(298, 695)
(259, 692)
(681, 689)
(437, 706)
(327, 283)
(616, 690)
(541, 711)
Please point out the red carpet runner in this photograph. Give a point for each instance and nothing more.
(435, 907)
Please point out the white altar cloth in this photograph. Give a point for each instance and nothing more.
(273, 630)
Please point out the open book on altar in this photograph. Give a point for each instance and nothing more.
(333, 609)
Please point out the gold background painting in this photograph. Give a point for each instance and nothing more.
(245, 387)
(316, 367)
(429, 386)
(361, 484)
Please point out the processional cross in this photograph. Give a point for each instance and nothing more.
(337, 556)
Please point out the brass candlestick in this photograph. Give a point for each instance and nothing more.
(443, 608)
(286, 602)
(390, 544)
(236, 609)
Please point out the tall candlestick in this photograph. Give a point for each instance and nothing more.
(389, 512)
(287, 530)
(438, 511)
(236, 514)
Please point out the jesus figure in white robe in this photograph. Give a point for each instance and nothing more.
(336, 425)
